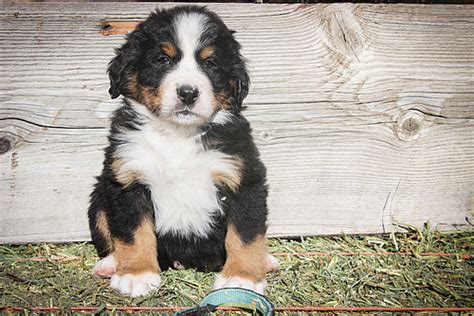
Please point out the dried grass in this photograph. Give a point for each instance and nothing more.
(385, 280)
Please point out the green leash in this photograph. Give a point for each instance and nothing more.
(231, 297)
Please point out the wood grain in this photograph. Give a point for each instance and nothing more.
(364, 114)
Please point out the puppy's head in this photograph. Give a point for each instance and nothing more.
(183, 64)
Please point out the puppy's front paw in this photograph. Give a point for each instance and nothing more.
(135, 285)
(236, 281)
(105, 267)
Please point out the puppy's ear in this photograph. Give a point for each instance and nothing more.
(240, 89)
(116, 67)
(123, 64)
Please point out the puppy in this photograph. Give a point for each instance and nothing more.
(182, 184)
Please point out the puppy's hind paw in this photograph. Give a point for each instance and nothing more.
(272, 263)
(135, 285)
(105, 268)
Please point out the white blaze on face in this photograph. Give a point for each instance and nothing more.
(188, 29)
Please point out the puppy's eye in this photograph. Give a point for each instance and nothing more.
(209, 63)
(164, 60)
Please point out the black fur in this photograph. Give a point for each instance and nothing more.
(125, 207)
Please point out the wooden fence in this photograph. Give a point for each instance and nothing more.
(364, 114)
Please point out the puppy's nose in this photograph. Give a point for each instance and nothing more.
(188, 94)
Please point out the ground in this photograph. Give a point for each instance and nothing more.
(331, 280)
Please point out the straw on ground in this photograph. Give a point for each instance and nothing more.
(331, 280)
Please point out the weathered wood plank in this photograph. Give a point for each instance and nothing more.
(364, 114)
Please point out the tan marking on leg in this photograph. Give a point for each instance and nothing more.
(230, 179)
(124, 176)
(169, 49)
(206, 52)
(103, 228)
(244, 260)
(140, 255)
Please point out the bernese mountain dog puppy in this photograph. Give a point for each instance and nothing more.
(182, 184)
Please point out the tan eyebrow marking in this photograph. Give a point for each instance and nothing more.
(206, 52)
(169, 49)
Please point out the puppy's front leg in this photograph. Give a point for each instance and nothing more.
(246, 263)
(125, 230)
(137, 266)
(132, 264)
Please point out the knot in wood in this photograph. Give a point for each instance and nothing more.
(5, 145)
(344, 34)
(409, 125)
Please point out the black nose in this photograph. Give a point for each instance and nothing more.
(188, 94)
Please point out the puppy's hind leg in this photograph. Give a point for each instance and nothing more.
(102, 240)
(105, 267)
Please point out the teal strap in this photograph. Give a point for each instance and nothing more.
(232, 297)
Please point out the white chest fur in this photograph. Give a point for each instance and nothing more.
(179, 173)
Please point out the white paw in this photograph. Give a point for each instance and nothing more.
(135, 285)
(105, 267)
(235, 281)
(273, 264)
